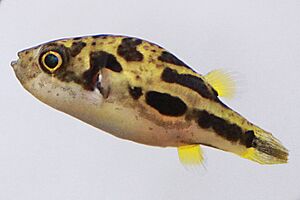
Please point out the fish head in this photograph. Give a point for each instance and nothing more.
(56, 73)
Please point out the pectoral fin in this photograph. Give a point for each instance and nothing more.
(190, 155)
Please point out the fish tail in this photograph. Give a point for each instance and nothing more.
(266, 149)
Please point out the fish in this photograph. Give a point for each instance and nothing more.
(137, 90)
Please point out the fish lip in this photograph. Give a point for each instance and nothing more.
(14, 64)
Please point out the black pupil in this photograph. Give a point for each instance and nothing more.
(51, 60)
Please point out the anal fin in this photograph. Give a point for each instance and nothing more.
(190, 155)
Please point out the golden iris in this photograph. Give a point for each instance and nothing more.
(52, 61)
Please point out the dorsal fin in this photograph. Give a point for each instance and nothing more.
(190, 155)
(222, 82)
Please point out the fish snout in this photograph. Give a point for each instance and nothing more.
(14, 64)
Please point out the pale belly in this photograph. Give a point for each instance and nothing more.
(129, 124)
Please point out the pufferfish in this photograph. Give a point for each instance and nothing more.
(139, 91)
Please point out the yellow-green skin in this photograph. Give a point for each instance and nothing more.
(115, 110)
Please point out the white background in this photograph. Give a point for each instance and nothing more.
(45, 154)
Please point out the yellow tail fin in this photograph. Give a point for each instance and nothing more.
(267, 150)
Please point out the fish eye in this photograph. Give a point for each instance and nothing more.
(52, 61)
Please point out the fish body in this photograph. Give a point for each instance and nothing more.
(139, 91)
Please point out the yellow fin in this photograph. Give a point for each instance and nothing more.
(222, 82)
(261, 158)
(268, 150)
(190, 155)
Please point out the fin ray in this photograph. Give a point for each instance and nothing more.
(268, 150)
(222, 82)
(190, 155)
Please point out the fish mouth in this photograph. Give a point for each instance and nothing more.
(14, 64)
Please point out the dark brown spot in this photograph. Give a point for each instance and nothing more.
(30, 59)
(99, 60)
(127, 49)
(77, 38)
(91, 79)
(68, 76)
(248, 139)
(204, 120)
(229, 131)
(135, 92)
(103, 36)
(93, 43)
(194, 83)
(166, 104)
(235, 132)
(170, 58)
(76, 48)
